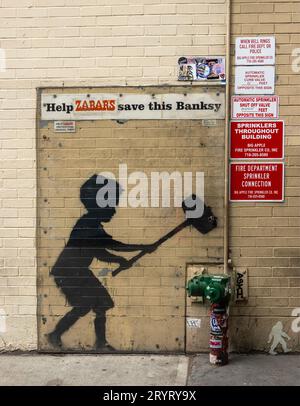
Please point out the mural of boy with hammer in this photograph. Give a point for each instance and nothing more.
(89, 240)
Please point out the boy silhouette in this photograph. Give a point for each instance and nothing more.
(89, 240)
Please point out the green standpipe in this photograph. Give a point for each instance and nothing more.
(217, 290)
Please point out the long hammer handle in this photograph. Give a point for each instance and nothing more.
(158, 243)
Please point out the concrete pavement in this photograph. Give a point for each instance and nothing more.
(147, 370)
(93, 370)
(247, 370)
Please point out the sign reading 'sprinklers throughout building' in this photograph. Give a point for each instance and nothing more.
(257, 140)
(130, 106)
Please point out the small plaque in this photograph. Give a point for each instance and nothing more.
(64, 126)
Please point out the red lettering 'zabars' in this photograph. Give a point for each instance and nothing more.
(95, 105)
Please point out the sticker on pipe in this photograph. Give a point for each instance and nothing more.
(193, 323)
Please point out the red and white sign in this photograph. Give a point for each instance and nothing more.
(133, 106)
(254, 79)
(256, 182)
(255, 51)
(257, 140)
(64, 126)
(255, 107)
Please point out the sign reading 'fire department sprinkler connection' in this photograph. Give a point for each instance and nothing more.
(256, 182)
(255, 51)
(255, 107)
(100, 106)
(257, 140)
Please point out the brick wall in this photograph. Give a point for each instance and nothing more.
(149, 298)
(73, 43)
(92, 42)
(265, 238)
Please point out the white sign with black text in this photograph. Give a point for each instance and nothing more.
(132, 106)
(255, 51)
(255, 107)
(64, 126)
(254, 79)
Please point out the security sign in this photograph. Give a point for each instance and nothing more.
(256, 182)
(257, 140)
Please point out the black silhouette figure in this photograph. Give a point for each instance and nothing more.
(89, 240)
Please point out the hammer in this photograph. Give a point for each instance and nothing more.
(203, 224)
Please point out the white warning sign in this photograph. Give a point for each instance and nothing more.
(254, 79)
(255, 51)
(255, 107)
(64, 126)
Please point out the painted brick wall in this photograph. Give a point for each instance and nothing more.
(149, 298)
(266, 238)
(93, 42)
(75, 43)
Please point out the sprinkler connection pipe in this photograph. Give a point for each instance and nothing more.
(226, 152)
(216, 289)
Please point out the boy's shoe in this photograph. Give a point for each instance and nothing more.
(54, 339)
(104, 347)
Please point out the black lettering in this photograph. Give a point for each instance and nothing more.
(239, 292)
(180, 105)
(50, 106)
(120, 107)
(69, 108)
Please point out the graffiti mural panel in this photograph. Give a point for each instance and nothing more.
(112, 248)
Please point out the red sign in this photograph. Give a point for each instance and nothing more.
(256, 181)
(257, 140)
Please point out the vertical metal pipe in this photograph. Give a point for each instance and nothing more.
(227, 123)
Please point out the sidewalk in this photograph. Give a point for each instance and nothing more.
(93, 370)
(147, 370)
(247, 370)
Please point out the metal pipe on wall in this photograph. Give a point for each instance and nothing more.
(227, 123)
